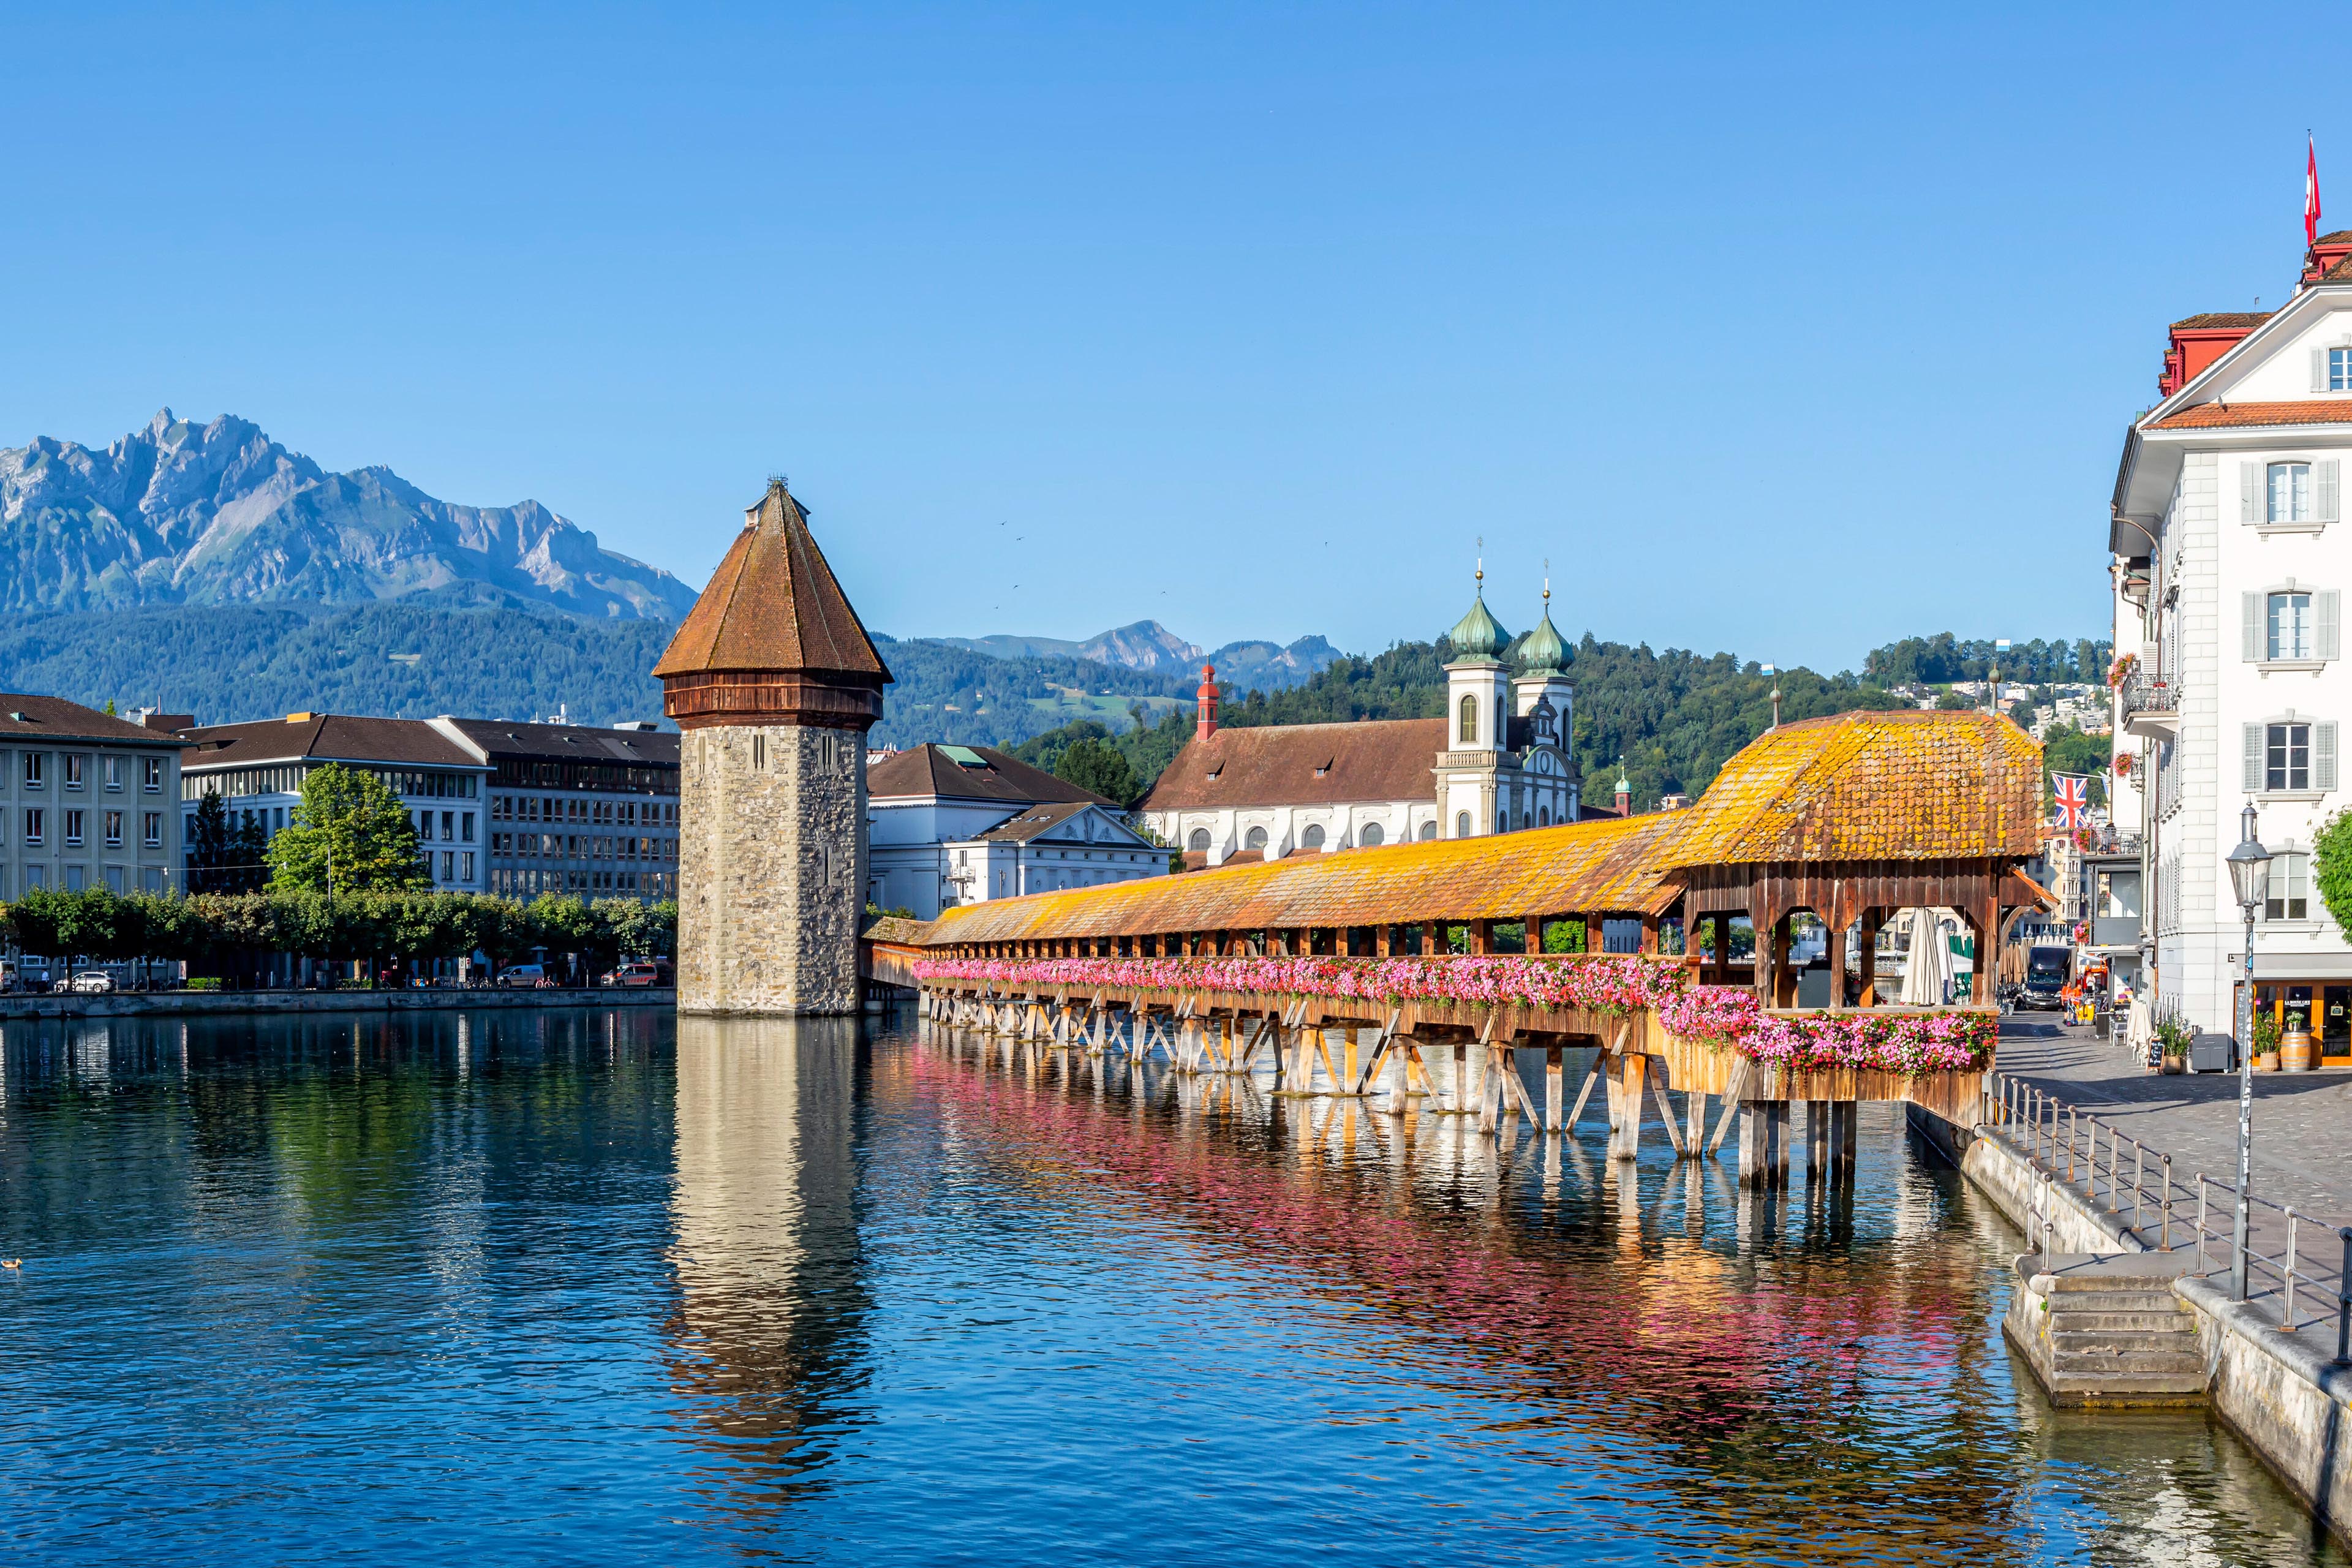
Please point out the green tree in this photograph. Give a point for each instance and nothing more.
(2331, 867)
(1100, 769)
(225, 856)
(349, 834)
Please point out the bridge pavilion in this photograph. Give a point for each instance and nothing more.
(1849, 817)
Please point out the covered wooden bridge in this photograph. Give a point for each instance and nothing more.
(1382, 952)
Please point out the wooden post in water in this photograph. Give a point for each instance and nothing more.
(1552, 1088)
(1780, 1142)
(1694, 1121)
(1817, 1138)
(1629, 1104)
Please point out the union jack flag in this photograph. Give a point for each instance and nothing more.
(2073, 799)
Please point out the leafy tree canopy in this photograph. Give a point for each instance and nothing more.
(349, 835)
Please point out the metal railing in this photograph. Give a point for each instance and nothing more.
(2094, 1160)
(2147, 693)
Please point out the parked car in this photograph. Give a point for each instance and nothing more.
(523, 975)
(90, 981)
(632, 974)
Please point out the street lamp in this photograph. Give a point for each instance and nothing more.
(2249, 879)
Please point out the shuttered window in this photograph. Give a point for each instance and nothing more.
(2331, 370)
(2293, 492)
(2292, 623)
(2291, 757)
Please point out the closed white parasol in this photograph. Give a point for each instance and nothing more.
(1928, 970)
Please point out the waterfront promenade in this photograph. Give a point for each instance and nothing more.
(2302, 1121)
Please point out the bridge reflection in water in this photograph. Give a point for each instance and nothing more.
(1752, 1369)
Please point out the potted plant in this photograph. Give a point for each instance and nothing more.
(2172, 1037)
(2266, 1040)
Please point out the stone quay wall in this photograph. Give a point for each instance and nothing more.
(203, 1004)
(2290, 1401)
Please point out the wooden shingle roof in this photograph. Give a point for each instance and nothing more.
(1857, 787)
(773, 605)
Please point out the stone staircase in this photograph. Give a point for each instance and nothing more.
(2107, 1330)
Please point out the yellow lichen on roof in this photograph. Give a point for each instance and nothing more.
(1907, 785)
(1584, 867)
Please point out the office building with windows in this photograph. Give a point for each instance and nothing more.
(88, 800)
(257, 770)
(575, 810)
(2230, 558)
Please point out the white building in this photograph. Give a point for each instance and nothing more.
(961, 825)
(87, 800)
(1495, 762)
(257, 770)
(2231, 558)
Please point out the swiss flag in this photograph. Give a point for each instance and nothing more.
(2311, 193)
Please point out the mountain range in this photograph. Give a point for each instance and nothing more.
(1148, 645)
(179, 513)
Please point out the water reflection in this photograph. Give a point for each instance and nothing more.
(769, 1337)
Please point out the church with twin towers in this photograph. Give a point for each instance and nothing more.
(1500, 759)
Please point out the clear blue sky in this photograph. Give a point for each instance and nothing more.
(1778, 332)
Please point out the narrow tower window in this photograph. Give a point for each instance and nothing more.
(1469, 736)
(759, 752)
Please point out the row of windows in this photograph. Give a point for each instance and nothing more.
(457, 826)
(1371, 835)
(116, 880)
(113, 773)
(285, 778)
(457, 864)
(76, 823)
(515, 771)
(523, 881)
(582, 846)
(587, 813)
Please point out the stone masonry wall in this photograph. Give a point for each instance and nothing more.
(771, 878)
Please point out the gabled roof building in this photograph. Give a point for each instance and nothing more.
(959, 824)
(2230, 562)
(1499, 759)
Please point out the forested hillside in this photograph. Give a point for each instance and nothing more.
(1674, 717)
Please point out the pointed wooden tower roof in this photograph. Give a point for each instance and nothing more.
(772, 640)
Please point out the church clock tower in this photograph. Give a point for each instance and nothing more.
(774, 683)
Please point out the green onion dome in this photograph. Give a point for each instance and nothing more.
(1478, 637)
(1544, 650)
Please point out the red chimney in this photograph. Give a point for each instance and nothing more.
(1206, 724)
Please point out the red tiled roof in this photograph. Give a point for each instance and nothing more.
(1304, 765)
(2212, 321)
(2234, 416)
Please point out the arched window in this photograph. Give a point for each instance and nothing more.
(1502, 822)
(1312, 838)
(1256, 840)
(1199, 839)
(1469, 736)
(1461, 824)
(1429, 830)
(1371, 835)
(1543, 816)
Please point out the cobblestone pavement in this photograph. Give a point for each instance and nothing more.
(2303, 1127)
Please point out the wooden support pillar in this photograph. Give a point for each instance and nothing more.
(1837, 968)
(1844, 1125)
(1780, 1142)
(1754, 1143)
(1381, 940)
(1784, 979)
(1694, 1121)
(1553, 1087)
(1490, 1086)
(1429, 931)
(1634, 1074)
(1649, 933)
(1481, 936)
(1817, 1138)
(1866, 960)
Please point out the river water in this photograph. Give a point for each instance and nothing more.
(598, 1287)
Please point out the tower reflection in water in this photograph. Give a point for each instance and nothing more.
(769, 1340)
